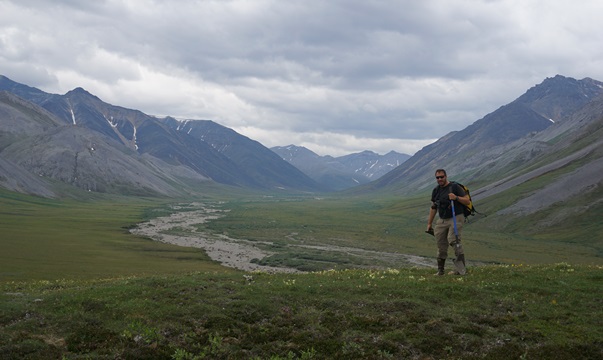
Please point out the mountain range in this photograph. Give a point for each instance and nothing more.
(343, 172)
(526, 158)
(77, 139)
(535, 163)
(543, 121)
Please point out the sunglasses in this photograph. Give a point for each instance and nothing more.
(440, 177)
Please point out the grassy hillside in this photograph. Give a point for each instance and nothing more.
(495, 312)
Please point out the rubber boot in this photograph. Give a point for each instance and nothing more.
(441, 263)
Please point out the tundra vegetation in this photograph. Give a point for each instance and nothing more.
(76, 284)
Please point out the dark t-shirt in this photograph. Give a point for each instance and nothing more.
(439, 196)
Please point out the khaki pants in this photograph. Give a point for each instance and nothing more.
(444, 234)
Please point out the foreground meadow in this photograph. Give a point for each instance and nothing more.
(76, 284)
(495, 312)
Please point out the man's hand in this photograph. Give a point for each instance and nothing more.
(430, 230)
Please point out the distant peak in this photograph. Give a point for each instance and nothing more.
(78, 91)
(292, 147)
(557, 79)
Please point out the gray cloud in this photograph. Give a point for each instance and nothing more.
(336, 76)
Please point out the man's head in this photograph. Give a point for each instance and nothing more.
(441, 177)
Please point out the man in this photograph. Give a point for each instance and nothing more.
(442, 197)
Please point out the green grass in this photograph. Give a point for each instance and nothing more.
(495, 312)
(398, 225)
(53, 239)
(75, 284)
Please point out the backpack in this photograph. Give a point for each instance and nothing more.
(467, 209)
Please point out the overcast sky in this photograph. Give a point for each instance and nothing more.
(335, 76)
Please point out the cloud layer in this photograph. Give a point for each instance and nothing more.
(336, 76)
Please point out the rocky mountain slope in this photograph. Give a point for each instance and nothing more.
(38, 151)
(546, 182)
(339, 173)
(257, 161)
(539, 151)
(488, 148)
(80, 140)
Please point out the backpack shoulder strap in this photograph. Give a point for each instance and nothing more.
(458, 186)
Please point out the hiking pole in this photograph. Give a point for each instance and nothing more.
(456, 232)
(460, 267)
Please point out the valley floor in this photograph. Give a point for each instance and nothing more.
(180, 229)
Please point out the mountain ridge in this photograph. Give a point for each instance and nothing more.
(343, 172)
(78, 139)
(505, 125)
(544, 184)
(149, 140)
